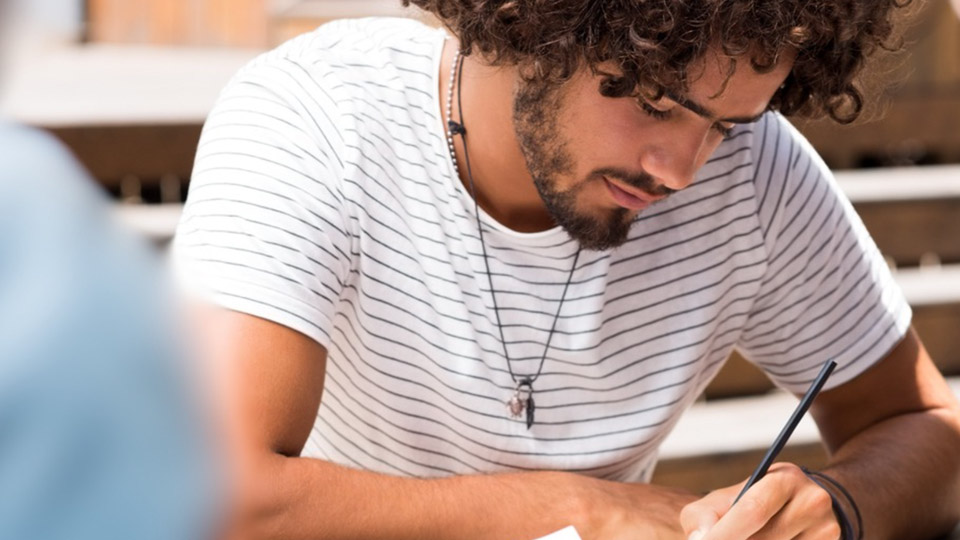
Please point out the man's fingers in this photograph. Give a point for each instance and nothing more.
(825, 531)
(785, 504)
(754, 510)
(700, 516)
(807, 515)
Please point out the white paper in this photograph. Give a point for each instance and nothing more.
(568, 533)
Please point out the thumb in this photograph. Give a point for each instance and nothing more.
(702, 528)
(701, 515)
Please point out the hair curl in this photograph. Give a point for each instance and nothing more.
(655, 41)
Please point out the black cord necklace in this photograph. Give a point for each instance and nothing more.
(522, 400)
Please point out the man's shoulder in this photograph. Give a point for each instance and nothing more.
(348, 44)
(353, 69)
(342, 81)
(770, 150)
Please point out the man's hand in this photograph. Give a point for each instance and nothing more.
(784, 504)
(618, 511)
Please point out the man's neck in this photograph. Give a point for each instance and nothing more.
(504, 188)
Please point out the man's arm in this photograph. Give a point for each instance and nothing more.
(277, 379)
(893, 435)
(894, 438)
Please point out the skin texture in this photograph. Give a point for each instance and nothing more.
(276, 374)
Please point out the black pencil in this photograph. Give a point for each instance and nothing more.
(787, 430)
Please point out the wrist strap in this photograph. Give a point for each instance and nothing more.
(843, 519)
(850, 501)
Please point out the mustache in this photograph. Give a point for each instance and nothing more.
(641, 181)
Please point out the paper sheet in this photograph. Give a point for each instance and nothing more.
(568, 533)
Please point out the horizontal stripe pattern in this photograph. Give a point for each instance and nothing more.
(324, 199)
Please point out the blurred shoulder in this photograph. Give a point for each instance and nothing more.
(346, 43)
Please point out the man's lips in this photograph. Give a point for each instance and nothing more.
(629, 198)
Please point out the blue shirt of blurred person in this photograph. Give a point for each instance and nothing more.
(101, 436)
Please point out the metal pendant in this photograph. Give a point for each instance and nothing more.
(530, 408)
(522, 401)
(516, 406)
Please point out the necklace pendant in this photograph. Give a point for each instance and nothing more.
(530, 408)
(522, 401)
(516, 405)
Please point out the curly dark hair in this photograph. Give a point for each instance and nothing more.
(654, 41)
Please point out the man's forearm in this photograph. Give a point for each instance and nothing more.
(904, 474)
(309, 499)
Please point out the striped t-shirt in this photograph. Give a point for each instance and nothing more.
(324, 199)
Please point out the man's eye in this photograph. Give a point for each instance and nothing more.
(725, 131)
(656, 113)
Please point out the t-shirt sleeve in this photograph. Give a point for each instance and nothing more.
(265, 230)
(827, 293)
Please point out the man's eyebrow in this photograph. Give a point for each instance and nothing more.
(700, 110)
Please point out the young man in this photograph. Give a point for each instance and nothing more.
(524, 249)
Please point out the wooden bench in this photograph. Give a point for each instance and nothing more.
(124, 111)
(913, 212)
(719, 443)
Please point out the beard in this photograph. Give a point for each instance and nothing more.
(548, 158)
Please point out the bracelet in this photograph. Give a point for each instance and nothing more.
(847, 528)
(850, 501)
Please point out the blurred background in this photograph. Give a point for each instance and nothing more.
(125, 85)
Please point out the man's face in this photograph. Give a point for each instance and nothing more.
(598, 161)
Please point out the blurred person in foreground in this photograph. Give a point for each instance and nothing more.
(471, 277)
(102, 431)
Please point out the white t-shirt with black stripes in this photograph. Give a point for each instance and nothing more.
(324, 199)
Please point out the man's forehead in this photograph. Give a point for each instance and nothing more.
(717, 76)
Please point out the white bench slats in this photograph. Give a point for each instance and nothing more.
(117, 84)
(741, 425)
(930, 286)
(894, 184)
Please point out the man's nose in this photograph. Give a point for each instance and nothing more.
(677, 159)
